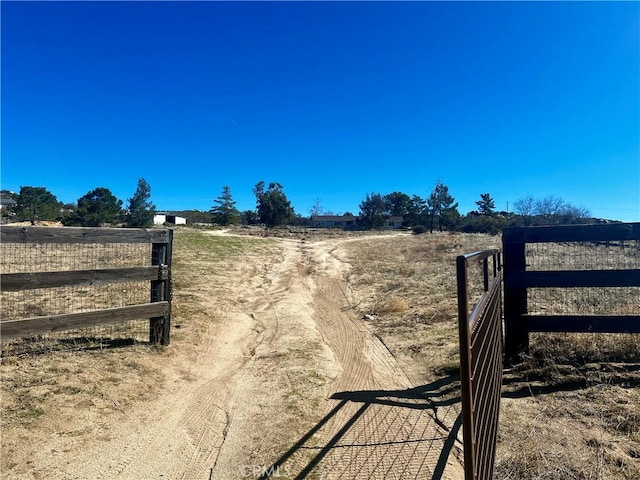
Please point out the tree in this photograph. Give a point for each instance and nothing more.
(550, 210)
(398, 204)
(97, 207)
(374, 210)
(474, 222)
(573, 214)
(249, 217)
(225, 212)
(315, 209)
(549, 206)
(417, 214)
(438, 202)
(37, 203)
(486, 205)
(273, 206)
(450, 218)
(141, 210)
(525, 207)
(554, 210)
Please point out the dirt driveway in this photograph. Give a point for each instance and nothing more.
(287, 382)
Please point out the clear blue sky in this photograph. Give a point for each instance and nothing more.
(333, 100)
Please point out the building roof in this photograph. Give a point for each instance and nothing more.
(333, 218)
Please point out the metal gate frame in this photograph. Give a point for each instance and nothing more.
(481, 363)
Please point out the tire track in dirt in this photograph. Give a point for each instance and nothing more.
(286, 342)
(187, 427)
(289, 349)
(389, 438)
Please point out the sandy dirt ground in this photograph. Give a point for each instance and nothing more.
(289, 384)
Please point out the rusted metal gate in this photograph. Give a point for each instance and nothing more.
(480, 361)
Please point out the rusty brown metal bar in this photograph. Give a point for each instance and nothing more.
(480, 363)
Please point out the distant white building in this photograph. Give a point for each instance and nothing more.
(162, 218)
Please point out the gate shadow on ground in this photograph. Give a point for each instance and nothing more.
(383, 434)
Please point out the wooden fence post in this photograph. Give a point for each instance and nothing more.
(168, 289)
(159, 327)
(516, 330)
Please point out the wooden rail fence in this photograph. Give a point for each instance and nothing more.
(481, 344)
(158, 310)
(480, 363)
(517, 279)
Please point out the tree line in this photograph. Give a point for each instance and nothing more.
(438, 211)
(95, 208)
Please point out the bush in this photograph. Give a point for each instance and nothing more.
(419, 229)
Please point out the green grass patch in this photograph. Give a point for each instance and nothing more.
(216, 247)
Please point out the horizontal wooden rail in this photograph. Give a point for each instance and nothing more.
(572, 233)
(13, 282)
(54, 323)
(575, 278)
(10, 234)
(619, 238)
(583, 323)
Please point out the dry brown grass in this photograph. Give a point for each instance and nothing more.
(77, 395)
(571, 410)
(406, 287)
(584, 256)
(392, 304)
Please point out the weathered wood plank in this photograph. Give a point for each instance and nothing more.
(572, 233)
(569, 278)
(13, 282)
(583, 323)
(56, 323)
(10, 234)
(159, 326)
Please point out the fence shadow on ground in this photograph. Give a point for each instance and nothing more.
(33, 346)
(528, 382)
(382, 434)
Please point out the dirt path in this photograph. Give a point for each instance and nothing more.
(291, 368)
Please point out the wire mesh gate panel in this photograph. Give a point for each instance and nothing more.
(582, 278)
(480, 361)
(91, 283)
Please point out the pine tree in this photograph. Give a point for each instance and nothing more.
(36, 203)
(95, 208)
(443, 210)
(374, 211)
(225, 212)
(141, 209)
(486, 205)
(273, 206)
